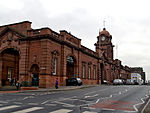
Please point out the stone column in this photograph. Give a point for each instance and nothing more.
(24, 61)
(44, 76)
(63, 66)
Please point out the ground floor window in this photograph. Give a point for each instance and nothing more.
(89, 70)
(94, 72)
(83, 70)
(10, 72)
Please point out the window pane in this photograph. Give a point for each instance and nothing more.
(83, 71)
(9, 74)
(89, 72)
(54, 66)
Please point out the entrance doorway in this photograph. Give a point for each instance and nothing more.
(35, 75)
(102, 71)
(70, 67)
(10, 66)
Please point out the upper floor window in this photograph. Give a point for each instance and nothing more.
(83, 70)
(54, 66)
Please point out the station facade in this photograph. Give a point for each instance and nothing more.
(38, 56)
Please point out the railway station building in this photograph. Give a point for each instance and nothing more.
(37, 57)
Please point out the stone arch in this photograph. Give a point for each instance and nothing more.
(9, 60)
(14, 47)
(71, 66)
(34, 70)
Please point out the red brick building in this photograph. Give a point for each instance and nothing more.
(39, 56)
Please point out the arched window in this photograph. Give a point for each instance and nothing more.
(71, 63)
(89, 71)
(94, 72)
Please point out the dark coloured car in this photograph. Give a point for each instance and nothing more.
(105, 82)
(73, 82)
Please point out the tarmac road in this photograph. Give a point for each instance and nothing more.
(98, 99)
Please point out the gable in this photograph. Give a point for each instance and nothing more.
(8, 36)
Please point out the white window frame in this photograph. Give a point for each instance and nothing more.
(89, 70)
(54, 66)
(83, 70)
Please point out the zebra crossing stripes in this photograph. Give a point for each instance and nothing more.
(8, 107)
(31, 109)
(62, 111)
(28, 110)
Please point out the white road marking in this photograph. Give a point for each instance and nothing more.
(62, 99)
(28, 110)
(89, 108)
(8, 107)
(97, 100)
(50, 104)
(25, 98)
(88, 112)
(145, 106)
(103, 98)
(45, 102)
(3, 102)
(96, 91)
(17, 102)
(65, 104)
(91, 96)
(62, 111)
(134, 106)
(32, 103)
(108, 109)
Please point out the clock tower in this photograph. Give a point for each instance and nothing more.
(104, 45)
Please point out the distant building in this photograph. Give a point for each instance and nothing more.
(38, 56)
(138, 70)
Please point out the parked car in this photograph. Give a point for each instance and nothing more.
(73, 82)
(105, 82)
(130, 82)
(118, 82)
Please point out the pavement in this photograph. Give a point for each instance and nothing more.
(12, 89)
(9, 89)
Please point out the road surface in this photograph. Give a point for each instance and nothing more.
(99, 99)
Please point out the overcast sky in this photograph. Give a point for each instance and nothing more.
(128, 21)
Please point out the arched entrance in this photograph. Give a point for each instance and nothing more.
(34, 75)
(71, 62)
(102, 71)
(10, 66)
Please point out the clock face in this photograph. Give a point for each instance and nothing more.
(103, 38)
